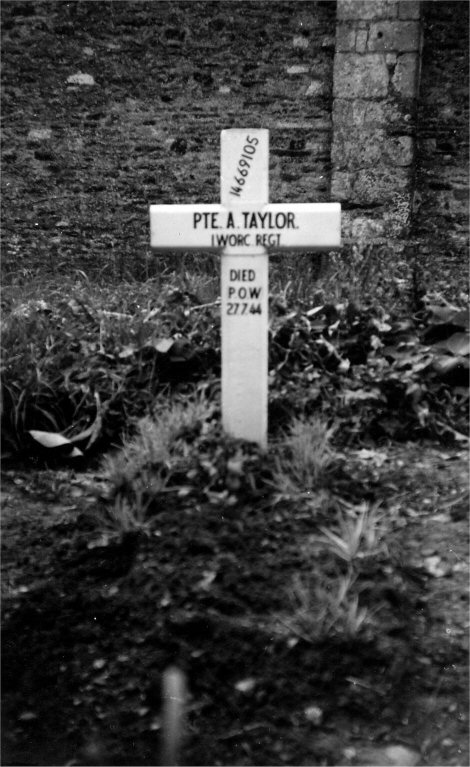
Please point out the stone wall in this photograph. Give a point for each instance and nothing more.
(376, 72)
(400, 130)
(336, 84)
(440, 218)
(82, 163)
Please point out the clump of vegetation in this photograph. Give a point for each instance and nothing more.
(323, 608)
(376, 375)
(179, 456)
(89, 364)
(361, 533)
(304, 459)
(154, 462)
(207, 543)
(333, 598)
(159, 441)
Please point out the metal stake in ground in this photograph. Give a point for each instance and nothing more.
(244, 228)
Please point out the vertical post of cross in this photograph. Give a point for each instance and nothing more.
(244, 227)
(244, 185)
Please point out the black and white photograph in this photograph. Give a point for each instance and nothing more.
(235, 383)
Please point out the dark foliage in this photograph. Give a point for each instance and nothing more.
(88, 372)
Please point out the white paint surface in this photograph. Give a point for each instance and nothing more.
(245, 348)
(244, 150)
(245, 335)
(281, 226)
(244, 228)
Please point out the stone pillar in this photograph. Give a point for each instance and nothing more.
(375, 90)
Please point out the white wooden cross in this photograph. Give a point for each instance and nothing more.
(244, 228)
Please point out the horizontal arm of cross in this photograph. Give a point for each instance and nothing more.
(246, 227)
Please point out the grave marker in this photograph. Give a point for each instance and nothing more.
(244, 228)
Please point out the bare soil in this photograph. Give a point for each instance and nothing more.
(88, 632)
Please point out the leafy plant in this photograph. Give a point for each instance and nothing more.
(322, 608)
(182, 452)
(375, 375)
(360, 533)
(147, 463)
(90, 361)
(304, 457)
(124, 515)
(72, 366)
(329, 600)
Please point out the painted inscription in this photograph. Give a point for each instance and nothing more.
(246, 220)
(243, 298)
(244, 165)
(245, 226)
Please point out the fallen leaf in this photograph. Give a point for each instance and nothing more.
(99, 543)
(208, 577)
(165, 600)
(163, 345)
(36, 135)
(127, 351)
(435, 567)
(398, 756)
(81, 78)
(27, 716)
(246, 685)
(448, 314)
(55, 441)
(376, 457)
(359, 395)
(314, 714)
(458, 343)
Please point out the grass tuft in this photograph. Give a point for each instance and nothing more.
(146, 465)
(325, 607)
(304, 459)
(328, 600)
(360, 533)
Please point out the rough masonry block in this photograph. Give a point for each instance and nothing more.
(375, 80)
(397, 36)
(346, 37)
(316, 88)
(357, 76)
(405, 77)
(341, 186)
(359, 148)
(380, 185)
(409, 9)
(400, 151)
(363, 113)
(357, 229)
(366, 229)
(370, 186)
(397, 217)
(356, 148)
(367, 9)
(362, 37)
